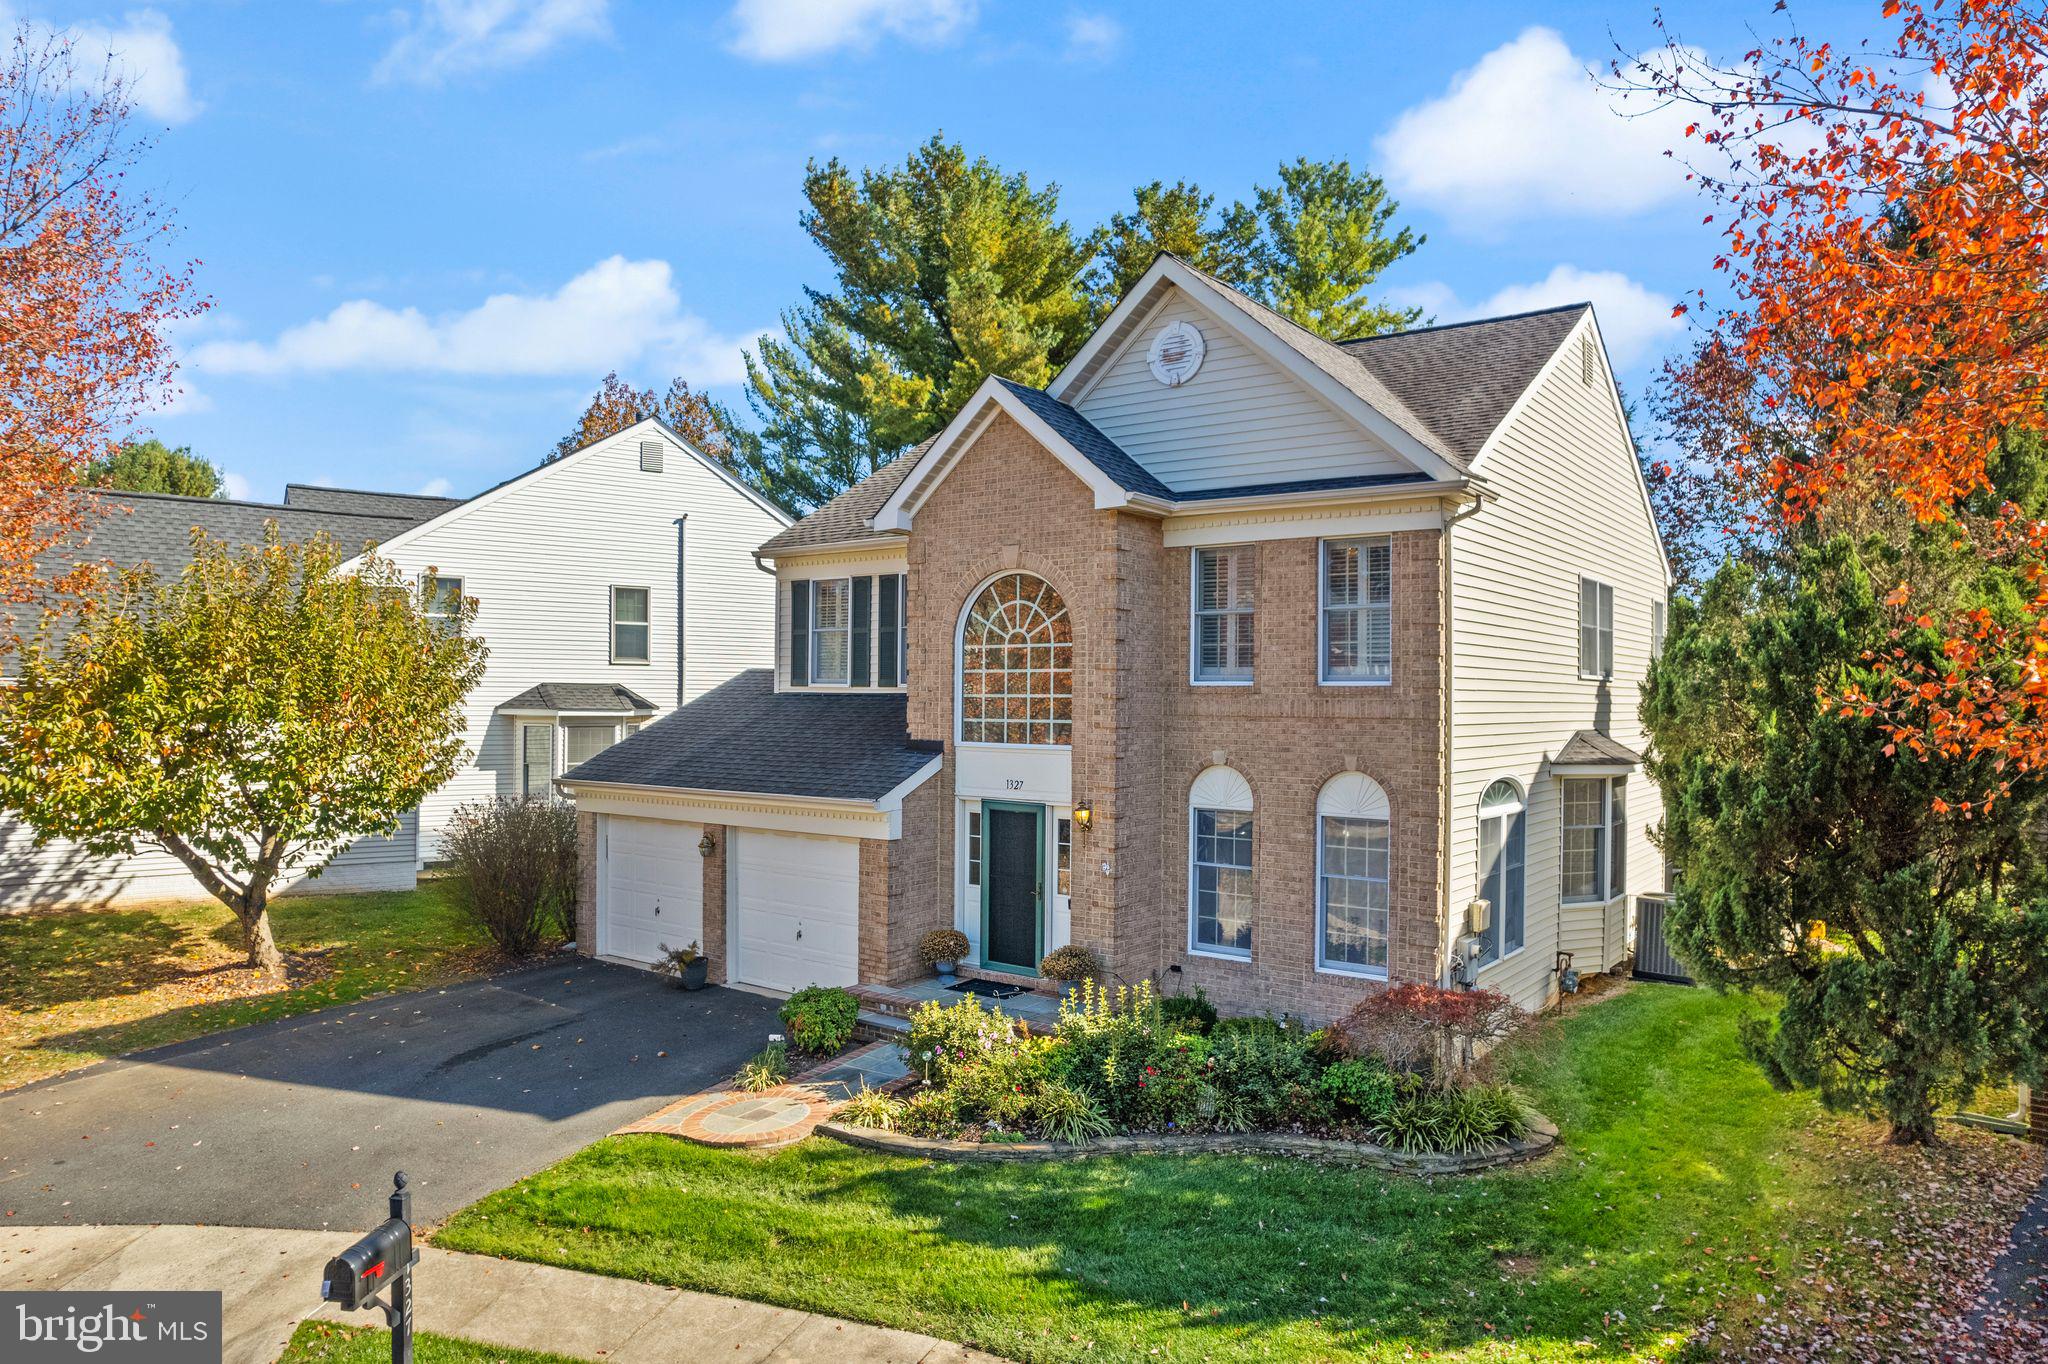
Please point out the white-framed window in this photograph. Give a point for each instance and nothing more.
(1659, 624)
(582, 741)
(537, 760)
(1357, 589)
(831, 631)
(974, 847)
(1596, 628)
(629, 625)
(1222, 638)
(1063, 855)
(1221, 899)
(1595, 852)
(444, 599)
(1503, 841)
(1354, 886)
(631, 727)
(1016, 664)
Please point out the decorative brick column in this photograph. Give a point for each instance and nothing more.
(586, 883)
(714, 901)
(2037, 1115)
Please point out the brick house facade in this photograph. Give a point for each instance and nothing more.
(788, 773)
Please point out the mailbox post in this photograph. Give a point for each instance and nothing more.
(381, 1260)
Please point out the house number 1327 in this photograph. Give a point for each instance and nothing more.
(1013, 783)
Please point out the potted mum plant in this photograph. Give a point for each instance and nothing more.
(686, 966)
(1070, 965)
(941, 949)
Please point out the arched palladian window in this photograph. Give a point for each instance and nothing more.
(1502, 815)
(1353, 893)
(1220, 896)
(1016, 664)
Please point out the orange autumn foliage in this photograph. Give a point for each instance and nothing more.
(1884, 211)
(83, 307)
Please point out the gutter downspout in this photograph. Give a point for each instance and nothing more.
(682, 610)
(1449, 939)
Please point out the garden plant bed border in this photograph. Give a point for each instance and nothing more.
(1541, 1138)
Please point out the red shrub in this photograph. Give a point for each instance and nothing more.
(1425, 1028)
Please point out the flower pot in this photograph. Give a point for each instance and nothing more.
(696, 975)
(945, 970)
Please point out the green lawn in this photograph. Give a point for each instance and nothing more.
(320, 1342)
(1686, 1188)
(79, 986)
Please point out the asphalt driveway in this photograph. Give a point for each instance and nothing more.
(300, 1123)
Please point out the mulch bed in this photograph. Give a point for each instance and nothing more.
(1913, 1286)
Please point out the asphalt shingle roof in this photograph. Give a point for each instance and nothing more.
(1589, 747)
(418, 506)
(745, 738)
(851, 515)
(591, 696)
(156, 528)
(1463, 378)
(1077, 431)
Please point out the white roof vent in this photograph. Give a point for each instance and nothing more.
(1176, 353)
(650, 456)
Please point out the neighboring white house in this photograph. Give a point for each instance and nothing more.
(611, 585)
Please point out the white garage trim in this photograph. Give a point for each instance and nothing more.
(650, 887)
(836, 818)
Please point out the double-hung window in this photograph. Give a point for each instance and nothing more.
(1220, 889)
(831, 628)
(1595, 838)
(582, 742)
(1354, 888)
(537, 760)
(444, 600)
(629, 625)
(1224, 582)
(1358, 610)
(1596, 629)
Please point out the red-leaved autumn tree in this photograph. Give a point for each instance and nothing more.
(1884, 211)
(84, 305)
(617, 405)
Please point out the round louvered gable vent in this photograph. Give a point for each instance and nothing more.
(1176, 353)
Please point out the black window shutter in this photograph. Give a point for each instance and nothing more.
(863, 628)
(799, 633)
(887, 644)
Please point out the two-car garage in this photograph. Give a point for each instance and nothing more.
(793, 900)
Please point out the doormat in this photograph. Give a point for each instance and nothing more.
(987, 989)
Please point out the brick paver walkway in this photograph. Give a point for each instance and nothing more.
(779, 1116)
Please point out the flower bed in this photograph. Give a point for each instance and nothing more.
(1392, 1084)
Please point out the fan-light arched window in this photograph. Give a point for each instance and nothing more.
(1220, 898)
(1354, 901)
(1502, 816)
(1017, 664)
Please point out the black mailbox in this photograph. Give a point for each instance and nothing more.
(369, 1266)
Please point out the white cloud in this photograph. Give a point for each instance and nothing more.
(436, 487)
(616, 313)
(140, 49)
(790, 30)
(1092, 37)
(445, 38)
(1526, 131)
(237, 487)
(1635, 322)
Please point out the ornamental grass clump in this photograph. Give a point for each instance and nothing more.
(871, 1108)
(765, 1069)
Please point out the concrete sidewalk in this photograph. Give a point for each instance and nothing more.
(270, 1282)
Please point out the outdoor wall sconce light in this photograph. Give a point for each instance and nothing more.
(1084, 814)
(706, 846)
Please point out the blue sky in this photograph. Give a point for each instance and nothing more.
(429, 227)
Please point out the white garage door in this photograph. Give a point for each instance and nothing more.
(797, 920)
(653, 889)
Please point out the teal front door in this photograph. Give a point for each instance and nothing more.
(1012, 886)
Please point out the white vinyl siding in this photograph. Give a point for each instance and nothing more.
(1240, 420)
(541, 558)
(1357, 610)
(1223, 637)
(1596, 628)
(1565, 492)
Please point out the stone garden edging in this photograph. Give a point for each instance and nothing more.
(1541, 1138)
